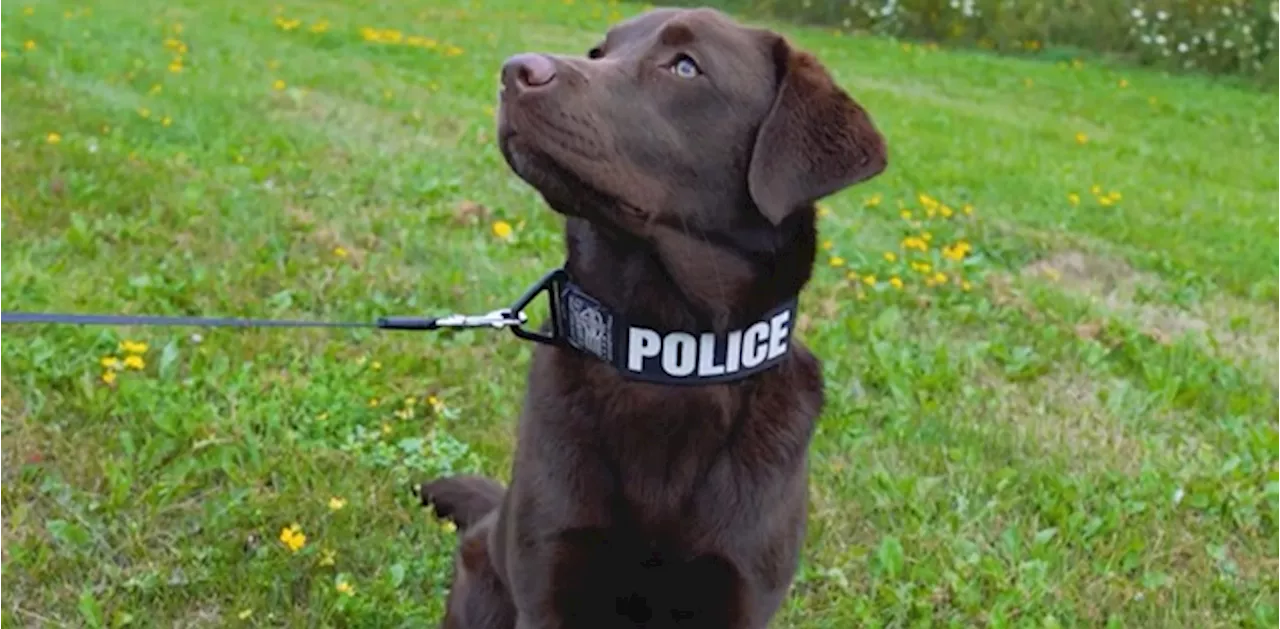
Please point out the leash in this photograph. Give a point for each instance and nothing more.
(512, 317)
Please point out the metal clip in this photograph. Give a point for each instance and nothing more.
(500, 318)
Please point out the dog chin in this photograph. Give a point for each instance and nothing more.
(564, 192)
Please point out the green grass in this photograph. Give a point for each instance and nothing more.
(1085, 437)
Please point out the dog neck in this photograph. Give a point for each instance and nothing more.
(680, 280)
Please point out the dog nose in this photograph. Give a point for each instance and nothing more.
(528, 70)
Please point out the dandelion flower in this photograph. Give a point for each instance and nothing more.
(278, 85)
(823, 211)
(851, 276)
(166, 121)
(827, 245)
(449, 527)
(29, 45)
(1073, 198)
(939, 277)
(345, 588)
(965, 286)
(452, 51)
(836, 261)
(502, 229)
(1123, 83)
(133, 347)
(244, 614)
(111, 362)
(134, 362)
(293, 538)
(967, 209)
(896, 282)
(1081, 137)
(869, 280)
(336, 503)
(109, 377)
(874, 200)
(374, 402)
(339, 252)
(144, 112)
(890, 256)
(53, 137)
(175, 66)
(905, 214)
(436, 404)
(28, 11)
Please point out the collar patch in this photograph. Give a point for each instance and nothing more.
(673, 356)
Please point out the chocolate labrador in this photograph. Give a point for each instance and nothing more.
(660, 469)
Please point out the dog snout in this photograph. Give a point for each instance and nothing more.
(527, 70)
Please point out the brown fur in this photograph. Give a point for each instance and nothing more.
(689, 205)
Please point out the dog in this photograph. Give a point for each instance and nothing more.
(660, 474)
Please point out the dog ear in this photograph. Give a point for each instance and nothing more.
(814, 142)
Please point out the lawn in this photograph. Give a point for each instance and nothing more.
(1049, 330)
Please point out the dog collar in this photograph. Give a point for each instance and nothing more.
(663, 356)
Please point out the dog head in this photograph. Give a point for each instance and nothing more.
(686, 124)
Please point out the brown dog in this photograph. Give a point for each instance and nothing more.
(660, 472)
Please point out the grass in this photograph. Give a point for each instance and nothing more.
(1074, 426)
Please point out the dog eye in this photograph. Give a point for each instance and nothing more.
(685, 67)
(595, 53)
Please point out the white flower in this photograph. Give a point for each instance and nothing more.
(1146, 39)
(1227, 43)
(1162, 16)
(1136, 12)
(1182, 47)
(1160, 39)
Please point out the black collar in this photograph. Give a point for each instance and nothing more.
(653, 354)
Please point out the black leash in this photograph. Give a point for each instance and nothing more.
(512, 317)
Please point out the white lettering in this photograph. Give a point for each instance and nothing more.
(643, 343)
(778, 334)
(755, 345)
(707, 356)
(733, 352)
(679, 354)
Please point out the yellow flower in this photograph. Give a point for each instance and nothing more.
(339, 252)
(939, 277)
(927, 201)
(851, 276)
(175, 66)
(836, 261)
(345, 588)
(502, 229)
(111, 362)
(452, 51)
(53, 137)
(135, 363)
(133, 347)
(1114, 196)
(28, 10)
(967, 209)
(29, 45)
(823, 211)
(827, 245)
(926, 236)
(1106, 201)
(144, 112)
(1124, 83)
(890, 256)
(896, 282)
(336, 503)
(320, 27)
(965, 286)
(1073, 198)
(244, 614)
(905, 214)
(922, 267)
(109, 377)
(166, 121)
(449, 527)
(278, 85)
(874, 200)
(1081, 137)
(913, 242)
(946, 211)
(373, 402)
(869, 280)
(436, 404)
(293, 537)
(1095, 189)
